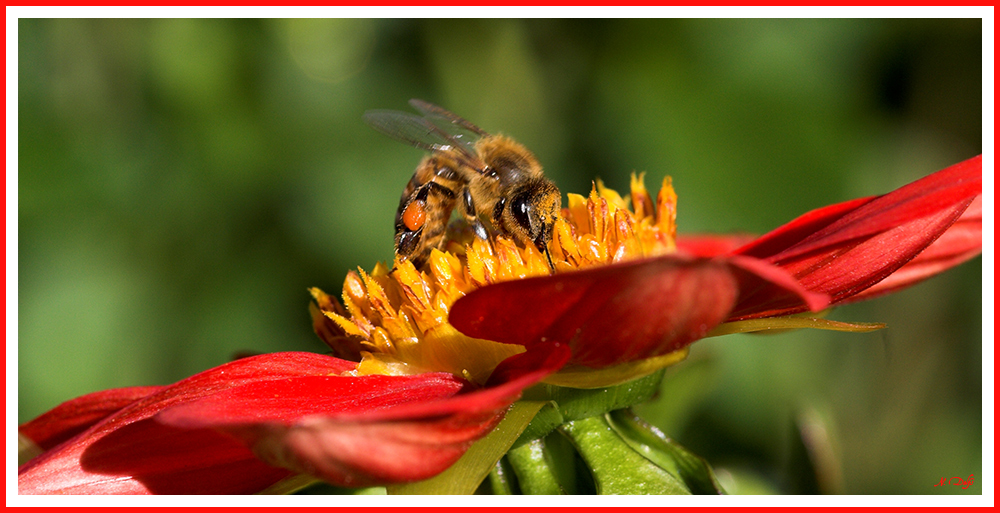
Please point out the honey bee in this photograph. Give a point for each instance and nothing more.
(491, 179)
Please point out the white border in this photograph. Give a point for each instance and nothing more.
(986, 13)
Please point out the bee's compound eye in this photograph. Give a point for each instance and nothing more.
(415, 215)
(521, 209)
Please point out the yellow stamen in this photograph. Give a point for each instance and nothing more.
(396, 322)
(666, 213)
(642, 204)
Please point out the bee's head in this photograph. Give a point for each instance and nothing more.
(532, 212)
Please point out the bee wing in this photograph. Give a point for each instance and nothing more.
(440, 114)
(418, 131)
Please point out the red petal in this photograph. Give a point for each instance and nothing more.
(359, 431)
(962, 241)
(128, 452)
(844, 249)
(73, 417)
(766, 288)
(289, 401)
(619, 313)
(328, 426)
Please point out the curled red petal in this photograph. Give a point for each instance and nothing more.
(368, 430)
(844, 249)
(531, 366)
(619, 313)
(959, 243)
(128, 452)
(74, 416)
(768, 290)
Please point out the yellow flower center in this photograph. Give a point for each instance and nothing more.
(396, 322)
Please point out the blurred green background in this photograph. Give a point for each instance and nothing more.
(182, 182)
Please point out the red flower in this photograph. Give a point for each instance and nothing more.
(408, 394)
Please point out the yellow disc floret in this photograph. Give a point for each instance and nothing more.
(396, 322)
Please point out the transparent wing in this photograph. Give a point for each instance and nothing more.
(421, 132)
(444, 118)
(410, 129)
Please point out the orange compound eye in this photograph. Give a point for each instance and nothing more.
(414, 215)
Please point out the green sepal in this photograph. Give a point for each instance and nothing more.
(616, 468)
(775, 325)
(546, 421)
(463, 477)
(575, 403)
(579, 403)
(649, 441)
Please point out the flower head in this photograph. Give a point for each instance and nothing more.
(397, 321)
(428, 361)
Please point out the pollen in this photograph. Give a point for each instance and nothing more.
(415, 215)
(396, 321)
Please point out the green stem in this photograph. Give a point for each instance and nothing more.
(501, 478)
(534, 472)
(617, 469)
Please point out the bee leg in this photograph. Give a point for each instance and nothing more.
(469, 208)
(548, 256)
(421, 221)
